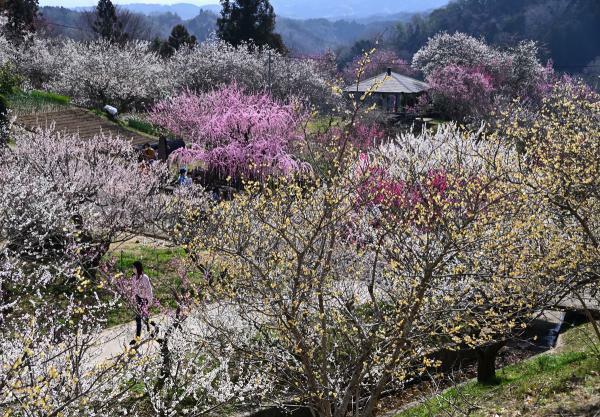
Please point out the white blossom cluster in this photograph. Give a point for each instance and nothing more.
(131, 76)
(63, 197)
(216, 62)
(518, 68)
(63, 201)
(460, 49)
(99, 73)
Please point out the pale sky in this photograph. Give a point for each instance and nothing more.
(83, 3)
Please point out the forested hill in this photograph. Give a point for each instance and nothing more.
(300, 36)
(567, 30)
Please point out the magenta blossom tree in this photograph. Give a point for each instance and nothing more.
(234, 133)
(426, 195)
(461, 92)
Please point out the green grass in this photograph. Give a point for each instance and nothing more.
(37, 102)
(141, 126)
(322, 123)
(537, 385)
(50, 97)
(158, 265)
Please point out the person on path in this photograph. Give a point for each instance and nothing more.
(183, 179)
(142, 291)
(149, 153)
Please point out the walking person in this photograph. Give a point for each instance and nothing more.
(183, 179)
(142, 291)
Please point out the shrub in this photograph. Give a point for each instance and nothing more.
(142, 126)
(10, 80)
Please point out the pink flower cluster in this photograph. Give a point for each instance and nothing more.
(379, 189)
(233, 133)
(459, 91)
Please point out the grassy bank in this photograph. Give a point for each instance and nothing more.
(563, 382)
(35, 101)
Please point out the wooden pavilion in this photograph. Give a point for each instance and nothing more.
(390, 90)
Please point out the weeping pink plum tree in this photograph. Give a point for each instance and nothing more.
(234, 133)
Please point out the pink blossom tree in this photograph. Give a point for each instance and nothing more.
(461, 92)
(466, 75)
(234, 133)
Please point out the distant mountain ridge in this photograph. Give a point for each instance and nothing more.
(308, 36)
(306, 9)
(351, 9)
(184, 10)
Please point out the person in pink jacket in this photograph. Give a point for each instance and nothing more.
(144, 297)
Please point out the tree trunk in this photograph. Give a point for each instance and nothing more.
(486, 363)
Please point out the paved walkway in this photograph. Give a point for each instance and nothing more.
(574, 304)
(75, 120)
(113, 341)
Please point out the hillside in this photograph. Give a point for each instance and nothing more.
(335, 9)
(306, 9)
(183, 10)
(300, 36)
(567, 30)
(562, 382)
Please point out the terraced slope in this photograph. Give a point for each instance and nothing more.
(80, 121)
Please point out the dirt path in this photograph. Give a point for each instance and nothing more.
(113, 341)
(87, 124)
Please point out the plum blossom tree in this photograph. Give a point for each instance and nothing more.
(500, 256)
(97, 73)
(215, 62)
(467, 75)
(348, 293)
(83, 194)
(459, 49)
(36, 60)
(55, 361)
(132, 75)
(460, 93)
(53, 342)
(188, 373)
(527, 78)
(234, 133)
(48, 366)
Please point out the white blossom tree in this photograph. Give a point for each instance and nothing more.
(215, 62)
(60, 191)
(99, 72)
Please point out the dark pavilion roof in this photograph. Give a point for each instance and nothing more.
(391, 83)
